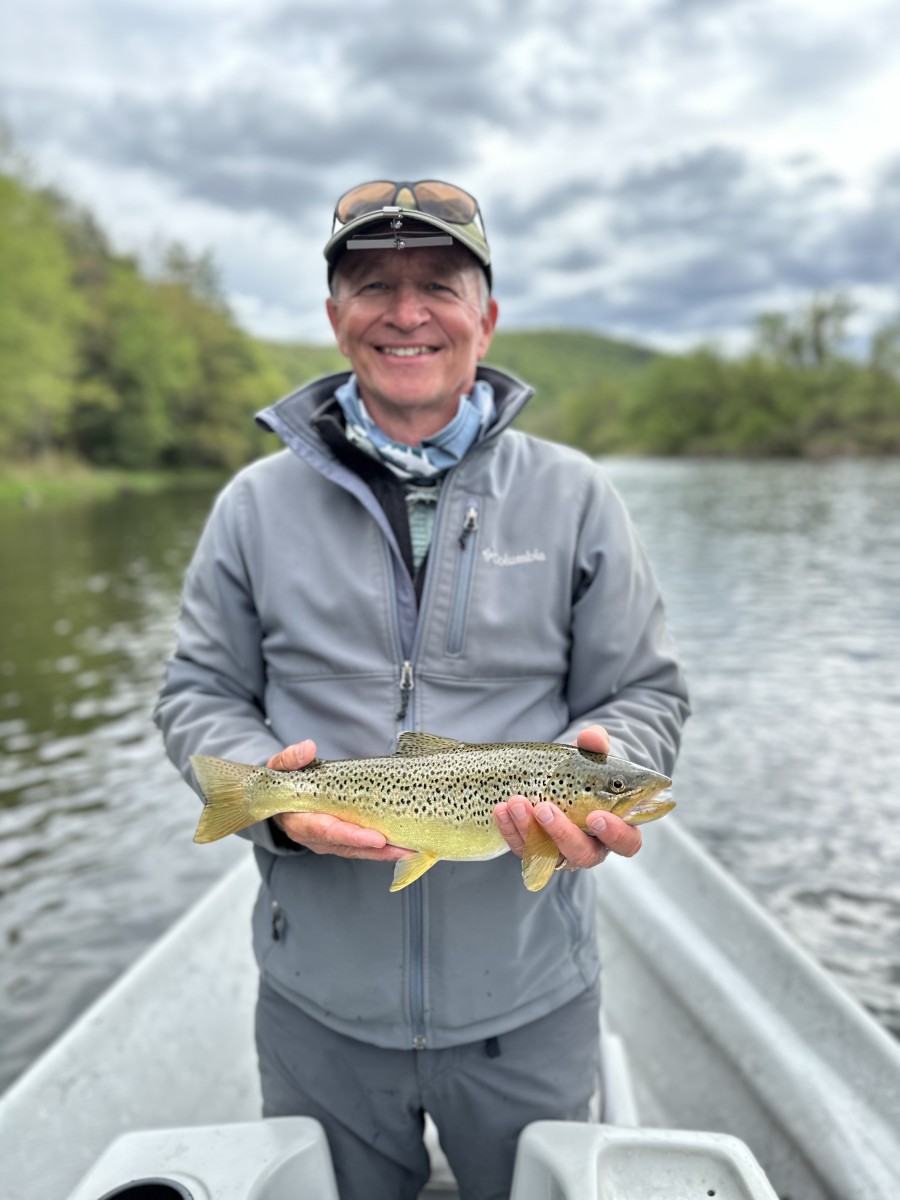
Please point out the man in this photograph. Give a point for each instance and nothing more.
(408, 561)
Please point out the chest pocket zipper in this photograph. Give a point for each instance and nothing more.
(462, 586)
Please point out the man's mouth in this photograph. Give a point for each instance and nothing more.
(406, 351)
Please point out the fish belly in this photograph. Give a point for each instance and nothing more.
(452, 824)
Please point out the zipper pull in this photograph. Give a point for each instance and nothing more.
(277, 921)
(407, 683)
(469, 525)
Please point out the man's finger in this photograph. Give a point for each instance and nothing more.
(507, 827)
(576, 847)
(328, 830)
(594, 738)
(612, 831)
(293, 758)
(385, 854)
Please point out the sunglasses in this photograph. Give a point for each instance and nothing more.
(442, 200)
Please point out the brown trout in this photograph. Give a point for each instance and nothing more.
(436, 796)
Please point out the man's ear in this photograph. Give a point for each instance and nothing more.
(333, 310)
(488, 325)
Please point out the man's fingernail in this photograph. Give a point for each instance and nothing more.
(519, 809)
(597, 823)
(544, 815)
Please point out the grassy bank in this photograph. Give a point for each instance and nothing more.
(62, 481)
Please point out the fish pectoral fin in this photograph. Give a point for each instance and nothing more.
(408, 870)
(540, 858)
(412, 742)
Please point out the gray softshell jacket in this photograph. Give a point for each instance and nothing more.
(539, 615)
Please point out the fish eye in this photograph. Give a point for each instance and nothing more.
(617, 785)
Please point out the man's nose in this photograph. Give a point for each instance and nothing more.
(408, 309)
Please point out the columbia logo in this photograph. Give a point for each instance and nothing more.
(513, 560)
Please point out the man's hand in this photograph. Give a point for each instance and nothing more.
(576, 849)
(324, 834)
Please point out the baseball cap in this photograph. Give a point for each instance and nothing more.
(384, 213)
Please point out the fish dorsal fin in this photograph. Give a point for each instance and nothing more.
(412, 743)
(594, 756)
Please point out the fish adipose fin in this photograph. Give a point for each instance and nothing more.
(408, 870)
(411, 743)
(540, 858)
(223, 785)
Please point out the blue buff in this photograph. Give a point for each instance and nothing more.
(437, 453)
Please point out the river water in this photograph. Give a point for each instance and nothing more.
(782, 583)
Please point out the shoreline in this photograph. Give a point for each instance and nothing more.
(55, 483)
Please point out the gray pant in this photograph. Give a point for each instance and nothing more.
(372, 1101)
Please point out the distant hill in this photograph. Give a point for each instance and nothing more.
(582, 382)
(299, 362)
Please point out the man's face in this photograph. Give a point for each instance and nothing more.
(412, 324)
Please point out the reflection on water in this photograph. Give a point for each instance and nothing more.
(783, 589)
(96, 854)
(782, 583)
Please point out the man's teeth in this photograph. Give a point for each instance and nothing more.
(406, 351)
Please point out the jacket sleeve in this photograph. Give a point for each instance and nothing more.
(212, 700)
(624, 670)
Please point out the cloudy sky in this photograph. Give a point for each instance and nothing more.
(660, 170)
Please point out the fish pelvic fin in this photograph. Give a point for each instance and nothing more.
(408, 870)
(223, 786)
(540, 858)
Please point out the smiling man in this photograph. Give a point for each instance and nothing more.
(408, 561)
(414, 328)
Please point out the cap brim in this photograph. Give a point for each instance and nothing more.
(365, 232)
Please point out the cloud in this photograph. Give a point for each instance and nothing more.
(663, 166)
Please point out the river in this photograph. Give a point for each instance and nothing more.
(782, 583)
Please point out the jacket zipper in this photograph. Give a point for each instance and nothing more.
(463, 583)
(415, 897)
(417, 965)
(407, 683)
(416, 894)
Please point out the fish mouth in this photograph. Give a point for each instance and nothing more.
(646, 803)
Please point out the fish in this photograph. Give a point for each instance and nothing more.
(435, 796)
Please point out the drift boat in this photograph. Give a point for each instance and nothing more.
(715, 1023)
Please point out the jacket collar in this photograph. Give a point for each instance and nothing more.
(295, 411)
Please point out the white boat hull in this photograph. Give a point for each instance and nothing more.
(715, 1021)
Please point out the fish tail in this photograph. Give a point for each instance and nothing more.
(224, 786)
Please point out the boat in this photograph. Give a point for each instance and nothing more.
(716, 1026)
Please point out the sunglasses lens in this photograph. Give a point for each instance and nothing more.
(442, 200)
(363, 199)
(446, 202)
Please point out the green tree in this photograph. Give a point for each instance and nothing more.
(680, 405)
(212, 419)
(136, 360)
(39, 310)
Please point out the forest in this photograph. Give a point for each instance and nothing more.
(106, 363)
